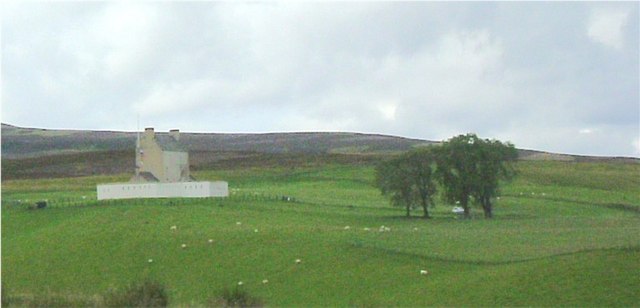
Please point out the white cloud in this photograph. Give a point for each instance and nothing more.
(388, 110)
(606, 27)
(520, 71)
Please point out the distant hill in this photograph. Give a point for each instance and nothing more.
(38, 153)
(18, 142)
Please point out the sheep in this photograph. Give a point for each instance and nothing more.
(240, 283)
(367, 229)
(415, 229)
(255, 230)
(347, 227)
(183, 246)
(265, 281)
(238, 223)
(173, 228)
(210, 241)
(298, 261)
(423, 272)
(150, 260)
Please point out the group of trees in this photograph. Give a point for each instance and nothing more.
(469, 170)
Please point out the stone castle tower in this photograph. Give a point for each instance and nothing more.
(161, 158)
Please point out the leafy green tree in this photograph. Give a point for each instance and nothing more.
(392, 181)
(494, 165)
(470, 169)
(408, 179)
(421, 174)
(457, 169)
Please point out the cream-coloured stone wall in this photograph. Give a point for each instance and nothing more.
(176, 166)
(163, 190)
(150, 158)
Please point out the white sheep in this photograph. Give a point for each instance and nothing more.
(423, 272)
(173, 228)
(255, 230)
(265, 281)
(367, 229)
(240, 283)
(150, 260)
(238, 223)
(210, 241)
(183, 246)
(347, 227)
(298, 261)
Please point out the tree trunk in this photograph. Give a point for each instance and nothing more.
(486, 206)
(426, 212)
(408, 210)
(425, 207)
(465, 205)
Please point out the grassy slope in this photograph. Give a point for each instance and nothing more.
(555, 241)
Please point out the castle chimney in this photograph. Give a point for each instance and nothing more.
(149, 133)
(175, 133)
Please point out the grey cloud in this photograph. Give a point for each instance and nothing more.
(527, 72)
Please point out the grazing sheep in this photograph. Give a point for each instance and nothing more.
(238, 223)
(255, 230)
(423, 272)
(173, 228)
(265, 281)
(366, 229)
(347, 227)
(415, 229)
(240, 283)
(210, 241)
(298, 261)
(150, 260)
(184, 246)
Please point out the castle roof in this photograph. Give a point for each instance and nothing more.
(168, 143)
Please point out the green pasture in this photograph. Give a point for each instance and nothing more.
(563, 234)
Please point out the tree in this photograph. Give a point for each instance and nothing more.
(457, 169)
(494, 165)
(421, 174)
(470, 169)
(408, 179)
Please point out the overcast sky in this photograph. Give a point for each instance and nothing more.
(554, 76)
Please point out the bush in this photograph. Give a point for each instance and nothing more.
(237, 297)
(4, 295)
(145, 294)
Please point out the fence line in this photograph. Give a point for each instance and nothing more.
(80, 202)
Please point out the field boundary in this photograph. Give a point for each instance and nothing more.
(495, 263)
(614, 206)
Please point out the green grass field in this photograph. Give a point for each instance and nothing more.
(564, 234)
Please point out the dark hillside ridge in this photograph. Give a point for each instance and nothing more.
(20, 142)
